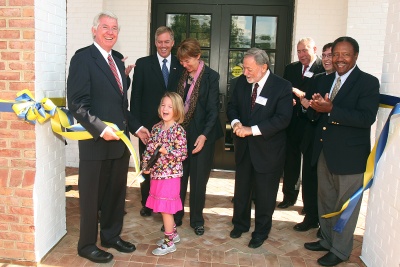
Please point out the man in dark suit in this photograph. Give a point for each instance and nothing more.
(299, 73)
(96, 93)
(259, 110)
(148, 86)
(345, 107)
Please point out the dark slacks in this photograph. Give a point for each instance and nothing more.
(309, 187)
(102, 187)
(291, 171)
(333, 191)
(197, 167)
(266, 189)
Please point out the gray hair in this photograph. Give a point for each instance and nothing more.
(259, 55)
(163, 29)
(109, 14)
(308, 41)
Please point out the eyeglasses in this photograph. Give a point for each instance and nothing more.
(326, 55)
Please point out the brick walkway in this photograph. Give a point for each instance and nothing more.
(284, 247)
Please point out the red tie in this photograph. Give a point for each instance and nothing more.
(254, 96)
(114, 71)
(304, 70)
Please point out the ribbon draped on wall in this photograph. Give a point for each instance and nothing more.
(347, 209)
(61, 120)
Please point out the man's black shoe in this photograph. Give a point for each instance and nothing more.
(256, 242)
(329, 259)
(120, 245)
(97, 255)
(235, 233)
(177, 223)
(199, 230)
(315, 246)
(305, 226)
(286, 204)
(145, 212)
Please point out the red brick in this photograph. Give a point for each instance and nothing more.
(11, 201)
(11, 236)
(28, 238)
(16, 178)
(28, 12)
(28, 34)
(9, 34)
(23, 211)
(23, 163)
(21, 2)
(3, 44)
(21, 23)
(23, 193)
(4, 177)
(4, 227)
(28, 181)
(3, 143)
(2, 23)
(25, 246)
(22, 144)
(21, 66)
(2, 66)
(19, 86)
(11, 76)
(10, 55)
(10, 12)
(4, 162)
(5, 191)
(9, 218)
(2, 207)
(2, 2)
(11, 254)
(22, 125)
(22, 228)
(30, 154)
(11, 153)
(25, 45)
(8, 96)
(28, 76)
(28, 56)
(27, 202)
(30, 256)
(27, 219)
(29, 135)
(9, 244)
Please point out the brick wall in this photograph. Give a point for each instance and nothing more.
(32, 158)
(17, 138)
(381, 246)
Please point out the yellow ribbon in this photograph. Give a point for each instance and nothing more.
(25, 107)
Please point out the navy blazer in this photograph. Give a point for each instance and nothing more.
(93, 97)
(344, 135)
(267, 151)
(148, 87)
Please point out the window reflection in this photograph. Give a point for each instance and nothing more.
(200, 28)
(241, 29)
(266, 32)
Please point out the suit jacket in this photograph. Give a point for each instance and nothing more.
(205, 119)
(94, 97)
(293, 73)
(267, 151)
(148, 87)
(344, 135)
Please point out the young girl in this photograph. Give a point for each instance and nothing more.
(167, 171)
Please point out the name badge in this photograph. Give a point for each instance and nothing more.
(308, 74)
(261, 100)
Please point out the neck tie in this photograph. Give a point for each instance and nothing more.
(304, 70)
(335, 89)
(254, 96)
(114, 71)
(165, 72)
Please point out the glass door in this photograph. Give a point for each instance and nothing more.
(225, 32)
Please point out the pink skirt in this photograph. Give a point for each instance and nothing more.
(164, 195)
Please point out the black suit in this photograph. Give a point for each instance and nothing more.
(295, 131)
(198, 166)
(259, 159)
(341, 147)
(148, 87)
(93, 97)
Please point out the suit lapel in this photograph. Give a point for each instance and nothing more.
(173, 71)
(265, 91)
(103, 65)
(348, 84)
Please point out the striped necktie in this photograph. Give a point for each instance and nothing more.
(114, 71)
